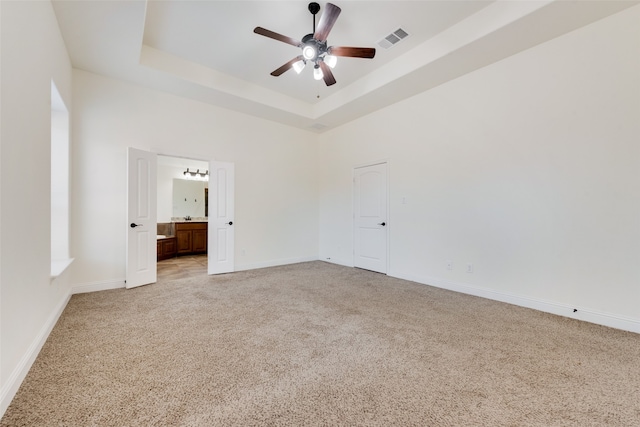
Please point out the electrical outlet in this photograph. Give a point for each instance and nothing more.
(449, 265)
(469, 268)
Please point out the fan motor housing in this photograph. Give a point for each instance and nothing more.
(320, 48)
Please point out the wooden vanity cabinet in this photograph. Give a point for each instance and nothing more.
(166, 248)
(184, 238)
(191, 238)
(200, 241)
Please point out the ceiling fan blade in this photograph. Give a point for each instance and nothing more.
(327, 75)
(328, 18)
(286, 66)
(352, 52)
(276, 36)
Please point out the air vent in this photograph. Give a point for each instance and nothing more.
(393, 38)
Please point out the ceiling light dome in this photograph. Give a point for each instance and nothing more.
(331, 60)
(317, 73)
(299, 66)
(309, 52)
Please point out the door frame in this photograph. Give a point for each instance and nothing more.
(353, 209)
(179, 156)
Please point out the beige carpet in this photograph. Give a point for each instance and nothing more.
(318, 344)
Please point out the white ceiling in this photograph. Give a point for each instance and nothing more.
(206, 50)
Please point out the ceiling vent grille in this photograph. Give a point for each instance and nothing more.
(393, 38)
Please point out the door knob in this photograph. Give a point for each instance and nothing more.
(230, 222)
(134, 225)
(383, 224)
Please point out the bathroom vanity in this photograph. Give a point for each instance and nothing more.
(181, 238)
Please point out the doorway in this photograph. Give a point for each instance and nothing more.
(185, 214)
(182, 186)
(210, 200)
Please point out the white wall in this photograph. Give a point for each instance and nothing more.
(33, 54)
(166, 174)
(276, 192)
(528, 168)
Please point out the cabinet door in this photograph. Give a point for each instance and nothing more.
(169, 247)
(184, 241)
(199, 240)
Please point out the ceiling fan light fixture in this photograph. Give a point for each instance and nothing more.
(317, 73)
(314, 46)
(309, 52)
(331, 60)
(299, 66)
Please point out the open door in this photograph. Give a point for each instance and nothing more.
(221, 221)
(141, 218)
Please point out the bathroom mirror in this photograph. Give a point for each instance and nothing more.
(190, 198)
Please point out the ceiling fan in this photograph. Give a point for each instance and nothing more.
(314, 46)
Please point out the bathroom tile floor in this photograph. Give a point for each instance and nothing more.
(182, 267)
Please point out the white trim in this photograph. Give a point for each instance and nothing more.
(58, 266)
(275, 263)
(373, 163)
(338, 261)
(11, 386)
(97, 286)
(581, 313)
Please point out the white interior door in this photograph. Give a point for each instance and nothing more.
(221, 222)
(141, 218)
(370, 217)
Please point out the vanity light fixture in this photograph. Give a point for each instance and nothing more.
(197, 175)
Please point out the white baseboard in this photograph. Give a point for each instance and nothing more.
(274, 263)
(338, 261)
(97, 286)
(12, 384)
(579, 313)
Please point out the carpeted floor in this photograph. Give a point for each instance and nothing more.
(315, 344)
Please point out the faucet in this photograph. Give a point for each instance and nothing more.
(187, 218)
